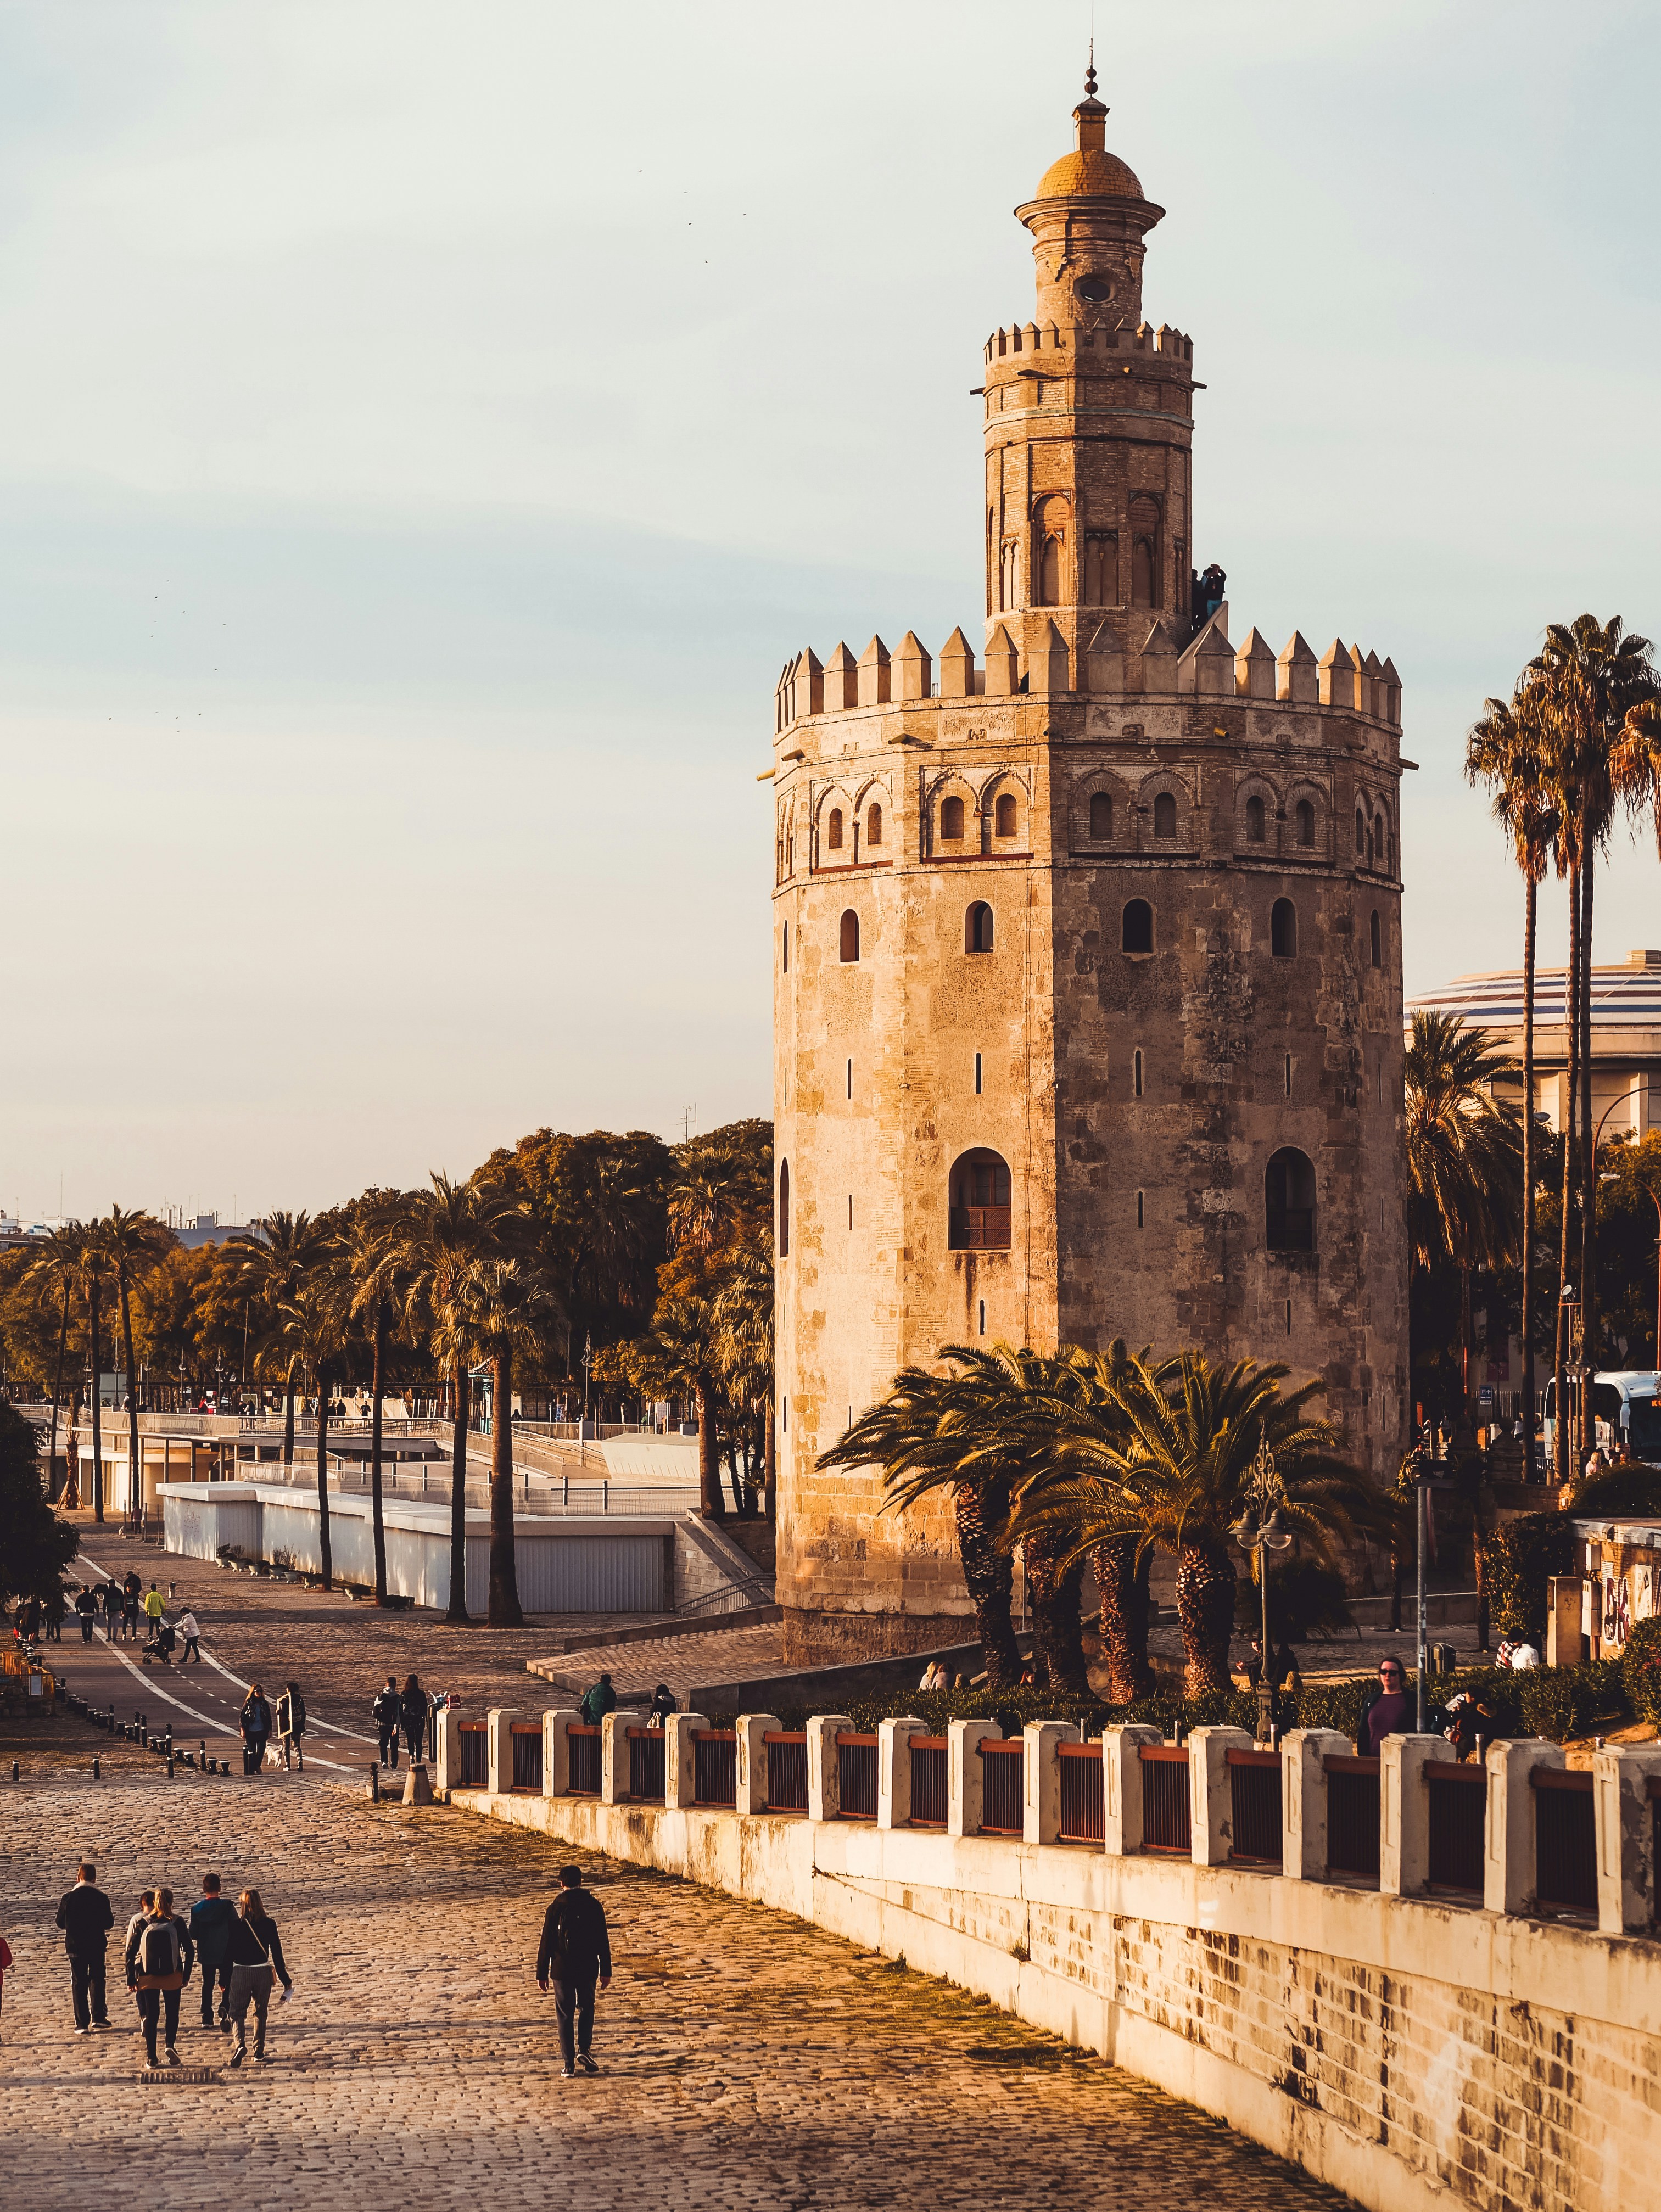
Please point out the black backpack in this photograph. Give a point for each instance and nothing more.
(158, 1948)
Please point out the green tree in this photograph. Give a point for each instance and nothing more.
(507, 1306)
(268, 1272)
(52, 1275)
(35, 1545)
(134, 1242)
(744, 1343)
(680, 1357)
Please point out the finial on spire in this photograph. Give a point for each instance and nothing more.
(1090, 74)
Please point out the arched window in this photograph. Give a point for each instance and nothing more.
(978, 1204)
(1049, 521)
(952, 821)
(1360, 831)
(1306, 819)
(1283, 930)
(1378, 846)
(1165, 816)
(977, 928)
(1138, 927)
(1141, 572)
(873, 825)
(1378, 940)
(833, 831)
(1101, 564)
(1004, 820)
(1050, 571)
(1008, 575)
(1144, 551)
(1101, 816)
(1289, 1201)
(784, 1209)
(850, 935)
(1254, 821)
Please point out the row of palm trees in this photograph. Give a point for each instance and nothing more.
(1578, 740)
(1104, 1459)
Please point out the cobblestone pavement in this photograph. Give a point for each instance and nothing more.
(748, 2060)
(682, 1661)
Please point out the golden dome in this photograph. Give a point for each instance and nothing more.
(1096, 172)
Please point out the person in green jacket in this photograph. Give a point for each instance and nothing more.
(599, 1700)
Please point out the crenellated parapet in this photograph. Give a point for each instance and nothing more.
(1168, 343)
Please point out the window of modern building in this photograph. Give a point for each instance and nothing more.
(952, 821)
(977, 928)
(1283, 930)
(1254, 821)
(833, 831)
(978, 1203)
(1003, 825)
(1305, 818)
(1165, 816)
(873, 825)
(1289, 1201)
(1138, 927)
(1101, 816)
(784, 1209)
(850, 934)
(1377, 935)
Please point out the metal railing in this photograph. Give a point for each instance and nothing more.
(645, 1764)
(857, 1777)
(715, 1766)
(1003, 1787)
(1083, 1814)
(785, 1752)
(1167, 1819)
(1254, 1795)
(472, 1755)
(1455, 1817)
(582, 1766)
(1353, 1804)
(1565, 1840)
(525, 1738)
(929, 1781)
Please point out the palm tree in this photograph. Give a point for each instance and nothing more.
(1172, 1467)
(53, 1273)
(313, 1325)
(1510, 749)
(92, 1273)
(743, 1341)
(368, 1237)
(681, 1356)
(1464, 1158)
(134, 1242)
(507, 1304)
(269, 1270)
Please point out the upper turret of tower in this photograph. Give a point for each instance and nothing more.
(1088, 224)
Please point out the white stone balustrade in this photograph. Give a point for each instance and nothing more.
(1122, 1786)
(1041, 1793)
(614, 1754)
(1622, 1777)
(499, 1748)
(964, 1740)
(1303, 1801)
(1211, 1791)
(1404, 1812)
(557, 1749)
(894, 1769)
(679, 1762)
(823, 1767)
(752, 1731)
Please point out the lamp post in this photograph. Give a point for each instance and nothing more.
(1259, 1531)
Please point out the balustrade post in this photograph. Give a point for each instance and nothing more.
(447, 1753)
(894, 1769)
(751, 1730)
(614, 1754)
(679, 1767)
(1041, 1793)
(499, 1749)
(1303, 1801)
(1510, 1866)
(1624, 1813)
(824, 1768)
(964, 1740)
(1122, 1784)
(1211, 1792)
(557, 1749)
(1404, 1812)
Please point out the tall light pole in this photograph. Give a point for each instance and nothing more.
(1259, 1531)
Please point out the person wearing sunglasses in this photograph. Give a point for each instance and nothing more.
(1390, 1711)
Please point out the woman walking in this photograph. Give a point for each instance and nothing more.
(255, 1722)
(256, 1958)
(413, 1710)
(159, 1954)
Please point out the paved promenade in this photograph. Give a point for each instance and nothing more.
(748, 2060)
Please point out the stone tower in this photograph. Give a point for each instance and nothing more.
(1086, 956)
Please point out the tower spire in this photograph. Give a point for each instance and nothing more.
(1090, 74)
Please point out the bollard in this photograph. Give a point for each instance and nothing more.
(94, 1767)
(14, 1770)
(170, 1767)
(374, 1781)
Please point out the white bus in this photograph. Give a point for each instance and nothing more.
(1625, 1409)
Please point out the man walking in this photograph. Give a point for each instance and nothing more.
(384, 1711)
(131, 1590)
(291, 1724)
(211, 1920)
(576, 1952)
(154, 1605)
(85, 1918)
(114, 1608)
(86, 1605)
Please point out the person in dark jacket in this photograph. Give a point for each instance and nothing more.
(256, 1956)
(576, 1952)
(1389, 1712)
(1471, 1726)
(663, 1704)
(85, 1918)
(132, 1592)
(159, 1957)
(291, 1724)
(384, 1713)
(598, 1701)
(255, 1722)
(212, 1917)
(114, 1610)
(86, 1604)
(412, 1715)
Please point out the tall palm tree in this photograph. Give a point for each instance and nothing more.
(680, 1356)
(313, 1325)
(53, 1273)
(134, 1242)
(93, 1275)
(743, 1341)
(269, 1270)
(507, 1306)
(1464, 1158)
(367, 1237)
(1510, 749)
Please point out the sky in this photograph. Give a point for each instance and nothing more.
(426, 430)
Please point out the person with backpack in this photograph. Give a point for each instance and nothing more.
(256, 1957)
(255, 1722)
(383, 1712)
(598, 1701)
(211, 1920)
(412, 1715)
(86, 1605)
(291, 1724)
(84, 1916)
(575, 1954)
(114, 1610)
(132, 1591)
(160, 1955)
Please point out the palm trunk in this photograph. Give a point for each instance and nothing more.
(1529, 924)
(287, 1421)
(72, 1458)
(97, 1408)
(989, 1577)
(324, 1550)
(57, 1390)
(1465, 1434)
(1479, 1523)
(1121, 1579)
(710, 1503)
(1205, 1606)
(1058, 1660)
(457, 1609)
(1588, 1173)
(134, 1482)
(377, 1513)
(504, 1608)
(1561, 1453)
(769, 1461)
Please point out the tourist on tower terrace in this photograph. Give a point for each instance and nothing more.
(255, 1722)
(384, 1713)
(211, 1920)
(291, 1724)
(159, 1957)
(256, 1957)
(598, 1701)
(85, 1918)
(575, 1954)
(413, 1710)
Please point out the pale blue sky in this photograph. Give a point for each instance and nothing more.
(426, 430)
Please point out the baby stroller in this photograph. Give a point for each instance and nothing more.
(162, 1639)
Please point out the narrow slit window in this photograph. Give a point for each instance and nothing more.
(873, 825)
(1288, 1075)
(952, 821)
(982, 1316)
(1378, 940)
(1165, 816)
(977, 1075)
(851, 1209)
(1003, 820)
(1305, 822)
(978, 933)
(787, 948)
(1288, 1316)
(1136, 1073)
(1139, 1219)
(1283, 930)
(850, 936)
(833, 830)
(784, 1210)
(850, 1078)
(1101, 816)
(1255, 829)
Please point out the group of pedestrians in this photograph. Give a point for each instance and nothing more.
(260, 1720)
(235, 1948)
(408, 1711)
(41, 1619)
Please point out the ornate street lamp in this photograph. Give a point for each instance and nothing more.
(1260, 1530)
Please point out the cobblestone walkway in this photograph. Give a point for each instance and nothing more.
(748, 2060)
